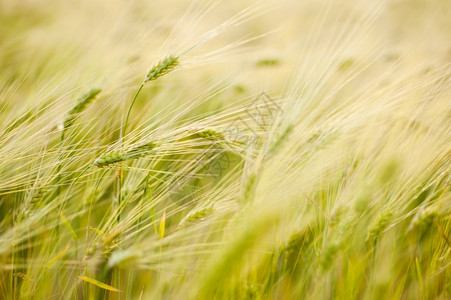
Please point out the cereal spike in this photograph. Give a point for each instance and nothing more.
(162, 68)
(141, 150)
(423, 218)
(83, 102)
(210, 134)
(280, 139)
(380, 225)
(249, 188)
(116, 156)
(196, 216)
(329, 254)
(109, 158)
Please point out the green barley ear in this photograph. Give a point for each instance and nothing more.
(329, 255)
(249, 188)
(280, 139)
(334, 242)
(197, 216)
(296, 242)
(117, 156)
(336, 215)
(210, 134)
(141, 150)
(423, 219)
(162, 68)
(82, 104)
(380, 225)
(109, 158)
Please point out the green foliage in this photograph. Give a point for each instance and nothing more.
(334, 185)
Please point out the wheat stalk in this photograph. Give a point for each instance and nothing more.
(162, 68)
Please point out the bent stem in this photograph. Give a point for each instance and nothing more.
(124, 128)
(123, 131)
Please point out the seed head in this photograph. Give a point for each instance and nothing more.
(249, 188)
(423, 218)
(116, 156)
(82, 104)
(162, 68)
(210, 134)
(329, 255)
(280, 139)
(381, 223)
(198, 215)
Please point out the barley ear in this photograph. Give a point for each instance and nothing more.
(162, 68)
(117, 156)
(197, 216)
(328, 255)
(280, 138)
(380, 225)
(82, 104)
(210, 134)
(249, 188)
(423, 219)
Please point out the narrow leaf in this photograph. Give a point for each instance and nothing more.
(99, 284)
(68, 226)
(162, 225)
(420, 278)
(96, 230)
(58, 256)
(23, 276)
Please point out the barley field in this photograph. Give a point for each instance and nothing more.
(200, 149)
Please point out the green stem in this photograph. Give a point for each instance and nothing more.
(124, 128)
(123, 132)
(58, 170)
